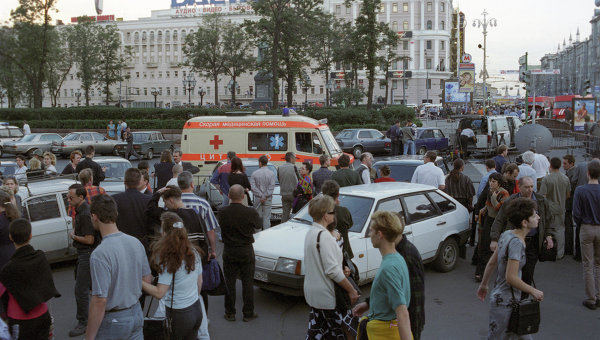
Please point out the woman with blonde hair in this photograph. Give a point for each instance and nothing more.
(35, 169)
(8, 213)
(390, 292)
(50, 163)
(179, 266)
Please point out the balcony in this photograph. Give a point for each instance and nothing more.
(129, 65)
(174, 64)
(151, 65)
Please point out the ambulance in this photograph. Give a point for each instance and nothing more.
(206, 140)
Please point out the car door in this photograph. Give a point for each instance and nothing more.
(441, 142)
(49, 226)
(99, 144)
(85, 140)
(423, 220)
(393, 205)
(427, 140)
(164, 143)
(366, 140)
(378, 140)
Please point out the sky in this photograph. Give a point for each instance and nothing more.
(535, 26)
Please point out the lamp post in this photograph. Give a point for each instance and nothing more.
(155, 94)
(201, 93)
(426, 79)
(304, 83)
(78, 96)
(491, 22)
(2, 96)
(189, 82)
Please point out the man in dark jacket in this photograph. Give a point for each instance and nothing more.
(187, 166)
(344, 176)
(131, 206)
(394, 135)
(416, 273)
(88, 163)
(535, 239)
(238, 224)
(130, 150)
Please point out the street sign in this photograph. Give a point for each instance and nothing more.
(405, 34)
(466, 58)
(398, 74)
(509, 71)
(339, 75)
(523, 59)
(548, 71)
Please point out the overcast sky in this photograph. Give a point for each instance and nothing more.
(535, 26)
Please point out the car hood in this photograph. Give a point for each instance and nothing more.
(284, 240)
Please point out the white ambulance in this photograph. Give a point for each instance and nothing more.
(207, 139)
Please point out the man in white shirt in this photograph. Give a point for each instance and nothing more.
(364, 169)
(429, 173)
(26, 128)
(21, 172)
(541, 165)
(177, 169)
(525, 169)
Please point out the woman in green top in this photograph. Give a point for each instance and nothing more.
(390, 292)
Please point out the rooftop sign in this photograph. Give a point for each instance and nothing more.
(194, 8)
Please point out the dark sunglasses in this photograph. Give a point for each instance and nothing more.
(331, 213)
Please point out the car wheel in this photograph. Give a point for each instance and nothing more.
(149, 154)
(422, 151)
(447, 255)
(357, 151)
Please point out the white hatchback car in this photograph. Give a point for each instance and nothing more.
(436, 224)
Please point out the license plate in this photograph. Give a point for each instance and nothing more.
(260, 275)
(275, 216)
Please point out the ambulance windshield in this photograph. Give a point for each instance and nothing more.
(332, 145)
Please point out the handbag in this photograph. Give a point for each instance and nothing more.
(525, 314)
(342, 299)
(159, 328)
(210, 275)
(548, 254)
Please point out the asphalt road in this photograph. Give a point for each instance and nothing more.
(452, 309)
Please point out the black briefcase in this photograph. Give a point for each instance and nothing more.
(525, 317)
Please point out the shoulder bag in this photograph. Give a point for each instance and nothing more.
(213, 282)
(342, 299)
(159, 328)
(525, 314)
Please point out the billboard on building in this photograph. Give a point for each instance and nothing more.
(583, 107)
(452, 94)
(466, 78)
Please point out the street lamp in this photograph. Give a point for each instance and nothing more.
(427, 78)
(491, 22)
(78, 96)
(2, 95)
(201, 93)
(155, 94)
(305, 83)
(189, 82)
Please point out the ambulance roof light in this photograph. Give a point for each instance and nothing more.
(323, 121)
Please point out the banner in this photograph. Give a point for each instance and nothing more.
(451, 94)
(583, 107)
(466, 78)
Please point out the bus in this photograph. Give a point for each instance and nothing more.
(563, 106)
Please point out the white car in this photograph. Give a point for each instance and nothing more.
(436, 224)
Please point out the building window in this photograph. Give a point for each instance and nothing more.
(338, 9)
(429, 6)
(428, 44)
(405, 25)
(429, 25)
(394, 65)
(168, 91)
(145, 75)
(395, 84)
(145, 91)
(405, 7)
(405, 63)
(405, 45)
(442, 45)
(382, 84)
(395, 26)
(443, 25)
(321, 89)
(175, 74)
(159, 74)
(442, 7)
(405, 84)
(176, 90)
(428, 84)
(441, 66)
(168, 74)
(394, 8)
(428, 63)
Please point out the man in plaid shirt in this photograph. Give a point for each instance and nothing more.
(86, 178)
(416, 274)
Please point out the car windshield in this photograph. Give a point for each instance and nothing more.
(141, 137)
(29, 138)
(332, 145)
(344, 134)
(8, 170)
(251, 168)
(71, 136)
(562, 105)
(400, 172)
(115, 170)
(360, 208)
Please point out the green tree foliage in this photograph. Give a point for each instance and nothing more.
(29, 41)
(326, 38)
(84, 47)
(237, 47)
(12, 80)
(205, 49)
(112, 58)
(346, 96)
(60, 62)
(390, 42)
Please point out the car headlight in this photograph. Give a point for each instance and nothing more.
(289, 266)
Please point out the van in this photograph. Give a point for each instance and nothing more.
(206, 139)
(490, 131)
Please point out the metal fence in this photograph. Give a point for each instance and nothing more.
(574, 143)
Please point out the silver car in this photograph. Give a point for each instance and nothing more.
(29, 143)
(81, 140)
(8, 133)
(114, 174)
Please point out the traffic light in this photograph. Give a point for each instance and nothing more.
(527, 80)
(524, 74)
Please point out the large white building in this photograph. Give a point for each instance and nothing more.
(157, 41)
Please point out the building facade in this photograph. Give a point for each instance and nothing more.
(157, 55)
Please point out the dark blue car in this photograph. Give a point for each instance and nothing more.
(357, 141)
(430, 139)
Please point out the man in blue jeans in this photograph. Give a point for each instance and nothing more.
(118, 266)
(84, 240)
(408, 138)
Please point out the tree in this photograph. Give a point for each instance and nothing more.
(390, 41)
(12, 80)
(349, 53)
(60, 62)
(238, 56)
(111, 59)
(31, 42)
(84, 48)
(204, 49)
(327, 37)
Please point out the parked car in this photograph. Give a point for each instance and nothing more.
(430, 139)
(490, 131)
(435, 223)
(404, 166)
(8, 168)
(357, 141)
(80, 140)
(29, 143)
(208, 191)
(8, 133)
(147, 143)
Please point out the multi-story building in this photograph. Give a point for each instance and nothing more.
(157, 55)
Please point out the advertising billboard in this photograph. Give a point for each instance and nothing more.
(452, 95)
(583, 107)
(466, 78)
